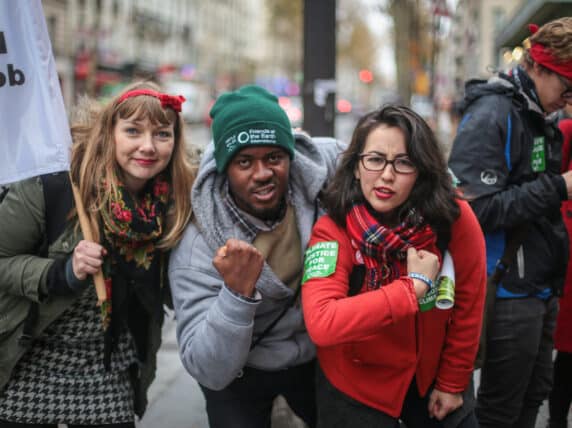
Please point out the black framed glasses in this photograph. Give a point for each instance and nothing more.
(377, 162)
(567, 94)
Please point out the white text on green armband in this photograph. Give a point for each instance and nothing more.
(320, 260)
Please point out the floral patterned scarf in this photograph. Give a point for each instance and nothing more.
(383, 247)
(131, 230)
(133, 267)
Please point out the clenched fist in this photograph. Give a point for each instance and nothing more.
(239, 264)
(425, 263)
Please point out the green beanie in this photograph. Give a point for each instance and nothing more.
(249, 116)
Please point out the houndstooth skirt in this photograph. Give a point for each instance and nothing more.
(61, 379)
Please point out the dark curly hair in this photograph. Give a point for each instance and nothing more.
(432, 196)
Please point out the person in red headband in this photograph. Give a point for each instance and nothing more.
(506, 157)
(77, 363)
(548, 62)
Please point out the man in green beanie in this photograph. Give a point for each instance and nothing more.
(236, 274)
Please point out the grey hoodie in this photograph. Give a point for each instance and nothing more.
(215, 327)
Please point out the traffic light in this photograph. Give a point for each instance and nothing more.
(366, 76)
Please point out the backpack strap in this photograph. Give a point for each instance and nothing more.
(58, 200)
(278, 318)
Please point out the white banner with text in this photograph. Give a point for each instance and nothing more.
(34, 130)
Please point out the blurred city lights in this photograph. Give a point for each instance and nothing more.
(517, 53)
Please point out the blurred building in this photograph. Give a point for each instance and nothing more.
(228, 36)
(476, 25)
(508, 42)
(102, 43)
(99, 45)
(488, 34)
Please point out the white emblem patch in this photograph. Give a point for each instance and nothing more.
(489, 177)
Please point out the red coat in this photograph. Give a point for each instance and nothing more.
(371, 345)
(563, 332)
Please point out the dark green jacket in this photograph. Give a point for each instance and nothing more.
(23, 281)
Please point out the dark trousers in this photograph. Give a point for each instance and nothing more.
(517, 372)
(561, 395)
(337, 410)
(247, 401)
(4, 424)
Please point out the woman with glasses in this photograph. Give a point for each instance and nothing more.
(386, 349)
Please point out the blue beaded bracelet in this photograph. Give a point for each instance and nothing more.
(421, 277)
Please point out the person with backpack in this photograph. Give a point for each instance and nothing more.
(386, 347)
(63, 359)
(506, 157)
(235, 276)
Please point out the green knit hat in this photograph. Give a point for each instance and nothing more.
(249, 116)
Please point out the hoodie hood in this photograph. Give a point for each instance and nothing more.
(308, 172)
(501, 84)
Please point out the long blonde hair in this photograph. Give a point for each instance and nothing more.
(93, 158)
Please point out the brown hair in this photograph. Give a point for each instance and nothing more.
(93, 156)
(432, 195)
(556, 36)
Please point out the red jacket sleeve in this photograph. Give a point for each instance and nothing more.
(333, 318)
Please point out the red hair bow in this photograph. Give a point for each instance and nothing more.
(167, 101)
(533, 28)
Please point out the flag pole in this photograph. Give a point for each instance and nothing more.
(88, 235)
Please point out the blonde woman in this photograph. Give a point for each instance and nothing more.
(64, 360)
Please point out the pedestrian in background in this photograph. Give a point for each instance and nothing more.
(235, 275)
(63, 360)
(561, 395)
(389, 352)
(506, 157)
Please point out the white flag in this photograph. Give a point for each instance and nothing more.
(34, 130)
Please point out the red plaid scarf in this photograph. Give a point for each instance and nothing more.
(382, 247)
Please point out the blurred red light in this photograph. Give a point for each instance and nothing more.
(284, 102)
(365, 76)
(344, 106)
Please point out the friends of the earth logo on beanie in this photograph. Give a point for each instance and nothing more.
(249, 116)
(251, 136)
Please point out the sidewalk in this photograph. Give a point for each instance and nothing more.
(175, 399)
(169, 366)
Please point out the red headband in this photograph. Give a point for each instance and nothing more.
(540, 54)
(171, 101)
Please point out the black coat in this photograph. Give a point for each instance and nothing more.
(506, 157)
